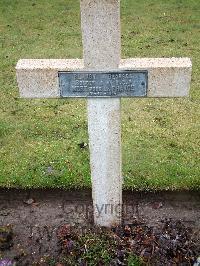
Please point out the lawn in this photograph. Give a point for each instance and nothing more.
(39, 139)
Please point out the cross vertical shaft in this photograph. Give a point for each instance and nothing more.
(100, 21)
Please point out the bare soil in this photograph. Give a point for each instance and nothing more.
(36, 215)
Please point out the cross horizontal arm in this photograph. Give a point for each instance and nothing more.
(167, 77)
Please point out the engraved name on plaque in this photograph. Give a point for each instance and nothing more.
(103, 84)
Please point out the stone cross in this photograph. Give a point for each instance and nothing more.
(167, 77)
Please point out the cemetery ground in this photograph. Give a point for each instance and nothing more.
(45, 227)
(44, 144)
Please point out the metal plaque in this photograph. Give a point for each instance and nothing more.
(126, 83)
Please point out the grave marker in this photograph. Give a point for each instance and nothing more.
(148, 77)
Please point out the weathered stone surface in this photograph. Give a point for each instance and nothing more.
(38, 78)
(101, 35)
(100, 22)
(168, 77)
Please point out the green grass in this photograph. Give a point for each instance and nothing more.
(39, 138)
